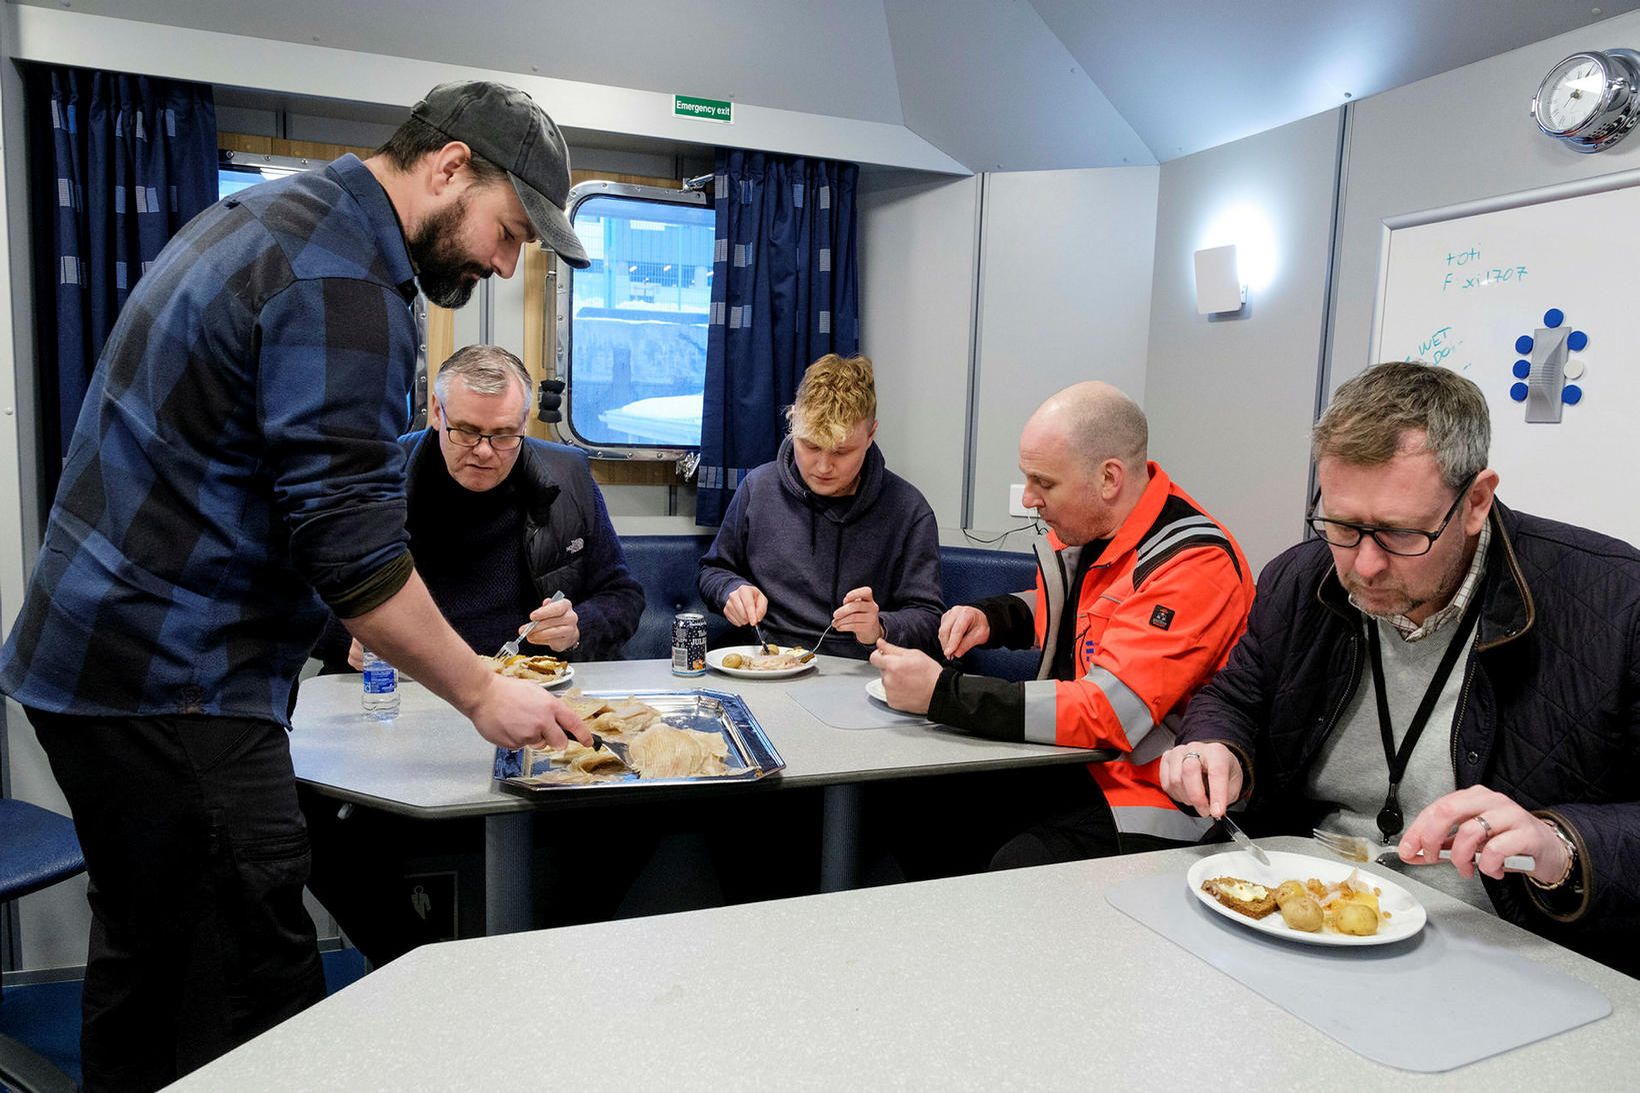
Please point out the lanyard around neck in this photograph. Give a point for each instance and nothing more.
(1390, 820)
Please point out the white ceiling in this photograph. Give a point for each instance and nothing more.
(995, 84)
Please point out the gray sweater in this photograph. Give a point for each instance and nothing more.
(804, 553)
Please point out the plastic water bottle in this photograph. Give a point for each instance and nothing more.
(381, 688)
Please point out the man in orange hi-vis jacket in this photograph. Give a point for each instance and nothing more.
(1139, 597)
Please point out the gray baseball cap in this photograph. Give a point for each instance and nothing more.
(504, 125)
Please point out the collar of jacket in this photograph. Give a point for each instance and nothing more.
(1133, 527)
(871, 481)
(539, 489)
(1507, 609)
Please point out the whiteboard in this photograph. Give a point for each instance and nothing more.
(1458, 290)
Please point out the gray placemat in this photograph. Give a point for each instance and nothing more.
(843, 703)
(1430, 1003)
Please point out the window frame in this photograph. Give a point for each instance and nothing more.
(563, 308)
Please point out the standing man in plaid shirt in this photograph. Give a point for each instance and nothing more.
(234, 472)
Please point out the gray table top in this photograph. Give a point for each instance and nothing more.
(1027, 980)
(431, 763)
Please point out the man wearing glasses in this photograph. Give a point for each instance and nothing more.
(500, 524)
(1434, 671)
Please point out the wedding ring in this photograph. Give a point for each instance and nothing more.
(1486, 827)
(1192, 755)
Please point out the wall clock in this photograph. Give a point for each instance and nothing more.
(1590, 100)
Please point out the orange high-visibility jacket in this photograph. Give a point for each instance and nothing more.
(1156, 616)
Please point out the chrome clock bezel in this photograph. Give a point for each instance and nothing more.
(1618, 110)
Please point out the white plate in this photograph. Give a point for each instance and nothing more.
(874, 688)
(714, 661)
(569, 674)
(1407, 915)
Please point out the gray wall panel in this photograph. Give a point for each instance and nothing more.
(1230, 401)
(1066, 297)
(916, 305)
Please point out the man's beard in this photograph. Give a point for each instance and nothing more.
(446, 277)
(1446, 587)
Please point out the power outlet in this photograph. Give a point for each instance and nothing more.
(1016, 501)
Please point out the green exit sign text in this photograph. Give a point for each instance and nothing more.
(691, 106)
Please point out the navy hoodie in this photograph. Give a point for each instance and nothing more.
(805, 552)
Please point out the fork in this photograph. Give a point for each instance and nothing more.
(815, 648)
(510, 649)
(1355, 848)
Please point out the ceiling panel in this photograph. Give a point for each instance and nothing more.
(1193, 75)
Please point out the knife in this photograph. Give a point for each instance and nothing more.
(1244, 842)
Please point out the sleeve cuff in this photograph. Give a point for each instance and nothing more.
(374, 590)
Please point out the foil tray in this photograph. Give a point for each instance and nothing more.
(751, 754)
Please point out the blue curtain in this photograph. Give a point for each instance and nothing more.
(784, 292)
(134, 160)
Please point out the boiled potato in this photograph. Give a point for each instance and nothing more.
(1290, 889)
(1301, 913)
(1356, 919)
(733, 660)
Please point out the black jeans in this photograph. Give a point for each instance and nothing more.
(197, 854)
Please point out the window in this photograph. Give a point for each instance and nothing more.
(632, 327)
(236, 171)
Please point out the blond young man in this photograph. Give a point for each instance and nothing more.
(826, 535)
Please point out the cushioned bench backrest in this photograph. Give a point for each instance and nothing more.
(968, 574)
(666, 566)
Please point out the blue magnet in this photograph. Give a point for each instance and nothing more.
(1571, 394)
(1518, 392)
(1523, 344)
(1576, 341)
(1523, 368)
(1553, 317)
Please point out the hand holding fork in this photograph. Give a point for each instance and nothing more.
(1357, 849)
(510, 649)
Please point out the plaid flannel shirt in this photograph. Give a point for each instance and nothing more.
(235, 455)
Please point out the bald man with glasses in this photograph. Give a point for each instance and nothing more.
(1434, 671)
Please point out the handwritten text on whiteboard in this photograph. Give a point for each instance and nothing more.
(1465, 270)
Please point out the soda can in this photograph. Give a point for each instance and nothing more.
(688, 644)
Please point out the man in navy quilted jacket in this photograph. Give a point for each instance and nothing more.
(1437, 672)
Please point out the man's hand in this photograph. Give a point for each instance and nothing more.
(355, 656)
(746, 606)
(1205, 776)
(859, 616)
(1484, 821)
(909, 676)
(514, 713)
(961, 629)
(556, 625)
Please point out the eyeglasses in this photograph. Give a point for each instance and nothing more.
(1403, 542)
(466, 438)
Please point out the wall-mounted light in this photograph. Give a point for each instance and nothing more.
(1218, 281)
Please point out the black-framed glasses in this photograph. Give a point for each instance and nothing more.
(1403, 542)
(466, 438)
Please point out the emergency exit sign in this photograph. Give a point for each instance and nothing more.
(690, 106)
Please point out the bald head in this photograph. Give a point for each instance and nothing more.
(1083, 454)
(1096, 422)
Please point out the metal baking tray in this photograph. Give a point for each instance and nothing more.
(751, 754)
